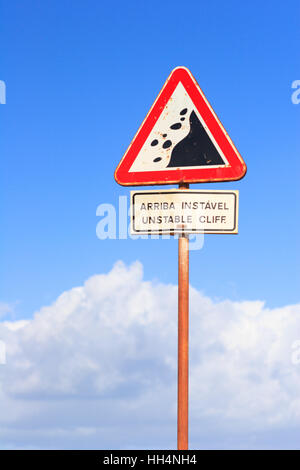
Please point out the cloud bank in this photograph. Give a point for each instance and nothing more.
(97, 369)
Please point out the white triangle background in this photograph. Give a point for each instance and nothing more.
(162, 133)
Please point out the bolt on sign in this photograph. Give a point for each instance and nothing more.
(182, 141)
(176, 211)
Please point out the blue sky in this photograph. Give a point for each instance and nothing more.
(80, 77)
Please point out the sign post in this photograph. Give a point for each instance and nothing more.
(182, 141)
(183, 340)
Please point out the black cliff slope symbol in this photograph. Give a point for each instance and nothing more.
(196, 149)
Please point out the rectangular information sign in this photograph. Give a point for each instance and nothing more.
(189, 211)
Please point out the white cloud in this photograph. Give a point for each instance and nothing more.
(97, 369)
(5, 309)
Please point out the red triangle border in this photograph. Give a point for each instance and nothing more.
(236, 169)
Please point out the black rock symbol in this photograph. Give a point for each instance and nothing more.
(196, 149)
(175, 126)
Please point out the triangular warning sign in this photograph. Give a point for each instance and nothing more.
(180, 140)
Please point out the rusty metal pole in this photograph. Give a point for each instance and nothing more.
(183, 339)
